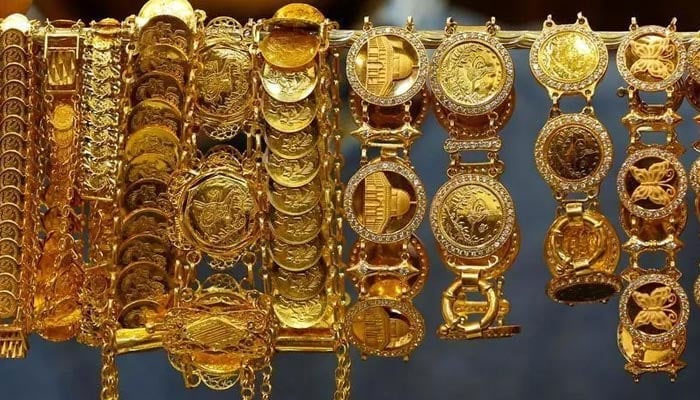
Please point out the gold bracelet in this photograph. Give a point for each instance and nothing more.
(574, 154)
(652, 185)
(472, 214)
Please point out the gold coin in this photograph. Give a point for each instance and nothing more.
(568, 56)
(297, 15)
(158, 86)
(180, 10)
(8, 305)
(296, 229)
(146, 193)
(164, 58)
(299, 285)
(155, 112)
(384, 327)
(8, 283)
(294, 201)
(219, 212)
(149, 165)
(289, 117)
(143, 281)
(292, 145)
(289, 86)
(296, 257)
(289, 49)
(8, 265)
(472, 215)
(144, 247)
(146, 220)
(292, 173)
(63, 117)
(300, 314)
(153, 139)
(12, 141)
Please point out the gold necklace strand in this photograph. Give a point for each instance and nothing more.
(19, 181)
(574, 154)
(692, 90)
(384, 202)
(101, 103)
(60, 270)
(652, 185)
(472, 215)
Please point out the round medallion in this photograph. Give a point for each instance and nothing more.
(384, 201)
(219, 212)
(145, 193)
(472, 215)
(382, 271)
(164, 58)
(153, 139)
(296, 257)
(144, 247)
(301, 285)
(300, 314)
(384, 327)
(569, 58)
(149, 166)
(387, 66)
(471, 73)
(8, 305)
(289, 117)
(63, 117)
(292, 145)
(145, 220)
(654, 309)
(292, 173)
(652, 183)
(573, 152)
(155, 112)
(294, 201)
(297, 15)
(143, 281)
(289, 49)
(289, 86)
(651, 58)
(158, 86)
(296, 229)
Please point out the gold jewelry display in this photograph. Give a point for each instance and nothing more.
(573, 154)
(472, 215)
(652, 185)
(385, 201)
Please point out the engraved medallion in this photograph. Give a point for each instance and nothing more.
(155, 112)
(144, 247)
(471, 73)
(296, 257)
(651, 58)
(149, 166)
(289, 49)
(384, 327)
(292, 173)
(164, 58)
(145, 220)
(296, 229)
(297, 15)
(569, 58)
(8, 305)
(143, 281)
(652, 183)
(573, 152)
(294, 201)
(292, 145)
(146, 193)
(387, 66)
(289, 117)
(299, 285)
(153, 139)
(384, 201)
(63, 117)
(300, 314)
(472, 215)
(289, 86)
(179, 11)
(158, 86)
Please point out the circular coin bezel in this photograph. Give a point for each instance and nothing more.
(406, 35)
(508, 219)
(551, 128)
(640, 84)
(490, 43)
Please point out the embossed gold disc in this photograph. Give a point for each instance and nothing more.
(471, 73)
(292, 145)
(292, 173)
(294, 201)
(573, 152)
(296, 257)
(384, 201)
(153, 139)
(387, 66)
(301, 285)
(652, 183)
(289, 117)
(569, 58)
(289, 49)
(297, 15)
(296, 229)
(472, 215)
(651, 58)
(149, 165)
(289, 85)
(143, 281)
(300, 314)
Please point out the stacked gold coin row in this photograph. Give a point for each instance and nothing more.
(692, 90)
(652, 185)
(157, 81)
(472, 214)
(101, 101)
(18, 184)
(60, 269)
(385, 201)
(574, 154)
(294, 99)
